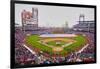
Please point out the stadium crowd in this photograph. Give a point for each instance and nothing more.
(24, 57)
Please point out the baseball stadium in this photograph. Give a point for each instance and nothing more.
(35, 45)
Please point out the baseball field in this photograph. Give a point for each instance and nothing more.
(56, 45)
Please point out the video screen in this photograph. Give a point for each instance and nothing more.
(46, 34)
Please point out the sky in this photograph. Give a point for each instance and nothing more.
(54, 16)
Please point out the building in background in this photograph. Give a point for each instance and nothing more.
(84, 25)
(29, 19)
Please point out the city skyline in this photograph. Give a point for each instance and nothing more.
(54, 16)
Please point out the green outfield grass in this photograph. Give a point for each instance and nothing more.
(80, 41)
(33, 41)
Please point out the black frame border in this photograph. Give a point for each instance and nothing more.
(12, 31)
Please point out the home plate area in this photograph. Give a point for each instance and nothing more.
(57, 49)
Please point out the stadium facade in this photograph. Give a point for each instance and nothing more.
(29, 19)
(84, 25)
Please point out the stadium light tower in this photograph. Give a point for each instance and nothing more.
(81, 18)
(23, 19)
(35, 16)
(66, 26)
